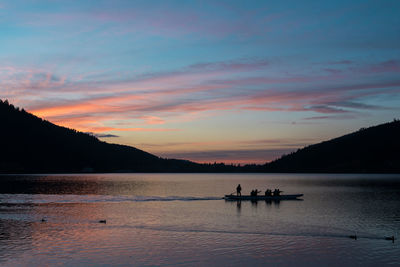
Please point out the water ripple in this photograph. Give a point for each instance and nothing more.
(21, 199)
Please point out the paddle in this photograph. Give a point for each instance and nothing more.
(230, 194)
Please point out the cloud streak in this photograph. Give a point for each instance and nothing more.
(105, 135)
(152, 98)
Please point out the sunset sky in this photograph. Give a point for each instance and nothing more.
(226, 81)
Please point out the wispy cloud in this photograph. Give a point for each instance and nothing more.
(355, 105)
(105, 135)
(234, 65)
(242, 144)
(340, 62)
(333, 117)
(389, 66)
(110, 129)
(152, 99)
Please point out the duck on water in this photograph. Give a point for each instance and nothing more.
(254, 195)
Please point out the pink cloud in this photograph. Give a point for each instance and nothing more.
(110, 129)
(389, 66)
(95, 125)
(238, 65)
(191, 90)
(340, 62)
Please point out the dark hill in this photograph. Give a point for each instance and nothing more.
(371, 150)
(31, 145)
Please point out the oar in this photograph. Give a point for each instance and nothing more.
(230, 194)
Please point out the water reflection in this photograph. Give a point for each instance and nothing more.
(182, 220)
(15, 238)
(238, 206)
(61, 185)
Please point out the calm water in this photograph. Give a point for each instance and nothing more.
(180, 219)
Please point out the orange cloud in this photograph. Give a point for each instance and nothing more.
(152, 120)
(105, 104)
(96, 105)
(109, 129)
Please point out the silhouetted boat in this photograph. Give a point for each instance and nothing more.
(262, 197)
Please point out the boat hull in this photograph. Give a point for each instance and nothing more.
(261, 197)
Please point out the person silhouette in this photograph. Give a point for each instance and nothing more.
(268, 192)
(239, 190)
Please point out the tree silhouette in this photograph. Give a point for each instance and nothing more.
(32, 145)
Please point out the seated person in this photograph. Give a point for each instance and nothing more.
(268, 192)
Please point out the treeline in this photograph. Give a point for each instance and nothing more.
(369, 150)
(32, 145)
(29, 144)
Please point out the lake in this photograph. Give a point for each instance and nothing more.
(181, 220)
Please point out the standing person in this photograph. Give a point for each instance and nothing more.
(238, 190)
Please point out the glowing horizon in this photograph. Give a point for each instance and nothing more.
(206, 81)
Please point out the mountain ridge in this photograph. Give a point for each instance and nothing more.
(375, 149)
(30, 144)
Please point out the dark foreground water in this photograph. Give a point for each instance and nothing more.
(180, 219)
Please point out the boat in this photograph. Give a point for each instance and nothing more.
(262, 197)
